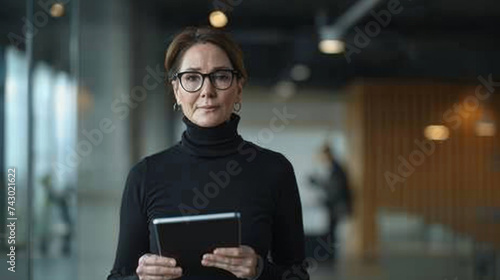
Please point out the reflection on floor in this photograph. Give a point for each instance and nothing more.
(410, 250)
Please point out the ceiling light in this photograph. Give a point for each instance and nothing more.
(218, 19)
(437, 132)
(485, 128)
(330, 46)
(57, 10)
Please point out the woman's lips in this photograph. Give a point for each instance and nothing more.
(208, 107)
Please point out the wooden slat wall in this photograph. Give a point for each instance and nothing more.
(452, 183)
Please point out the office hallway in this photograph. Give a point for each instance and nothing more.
(409, 250)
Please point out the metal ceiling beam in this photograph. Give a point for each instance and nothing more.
(355, 13)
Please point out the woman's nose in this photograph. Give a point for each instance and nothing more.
(207, 90)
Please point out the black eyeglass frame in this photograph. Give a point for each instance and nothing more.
(233, 72)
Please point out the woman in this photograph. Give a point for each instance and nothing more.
(212, 170)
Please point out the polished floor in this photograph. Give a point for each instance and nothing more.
(410, 250)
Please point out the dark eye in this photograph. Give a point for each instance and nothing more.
(191, 77)
(222, 76)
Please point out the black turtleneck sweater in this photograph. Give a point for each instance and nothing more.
(213, 170)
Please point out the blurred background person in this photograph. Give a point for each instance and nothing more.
(56, 221)
(332, 180)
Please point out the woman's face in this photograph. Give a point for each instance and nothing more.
(208, 106)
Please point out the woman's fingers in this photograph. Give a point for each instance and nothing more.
(235, 251)
(156, 277)
(154, 267)
(150, 259)
(229, 260)
(159, 270)
(241, 261)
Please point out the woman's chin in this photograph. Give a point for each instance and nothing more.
(209, 121)
(209, 118)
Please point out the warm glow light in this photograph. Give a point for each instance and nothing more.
(437, 132)
(57, 10)
(218, 19)
(485, 128)
(331, 46)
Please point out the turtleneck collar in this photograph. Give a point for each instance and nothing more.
(220, 140)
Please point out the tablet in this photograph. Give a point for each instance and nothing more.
(188, 238)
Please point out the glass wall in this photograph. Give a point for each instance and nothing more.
(38, 132)
(15, 163)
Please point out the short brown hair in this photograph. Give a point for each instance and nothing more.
(191, 36)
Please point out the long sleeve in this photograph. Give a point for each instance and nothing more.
(133, 239)
(287, 251)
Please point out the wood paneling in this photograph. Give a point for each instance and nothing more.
(457, 184)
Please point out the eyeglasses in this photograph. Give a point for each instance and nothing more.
(192, 81)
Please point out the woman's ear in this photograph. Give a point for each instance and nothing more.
(175, 88)
(239, 91)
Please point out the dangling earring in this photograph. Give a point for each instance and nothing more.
(177, 106)
(237, 107)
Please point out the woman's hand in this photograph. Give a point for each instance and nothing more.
(241, 261)
(154, 267)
